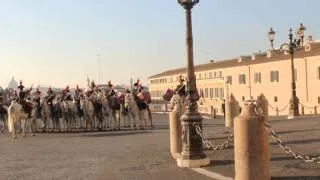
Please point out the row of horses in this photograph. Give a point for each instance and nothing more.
(91, 113)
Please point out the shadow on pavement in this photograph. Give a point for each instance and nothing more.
(299, 141)
(283, 158)
(116, 134)
(296, 178)
(294, 131)
(221, 162)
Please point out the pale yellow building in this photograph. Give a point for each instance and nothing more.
(249, 76)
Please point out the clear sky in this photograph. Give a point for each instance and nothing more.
(57, 42)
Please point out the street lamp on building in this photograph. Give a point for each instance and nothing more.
(291, 48)
(192, 154)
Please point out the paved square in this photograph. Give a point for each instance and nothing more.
(144, 154)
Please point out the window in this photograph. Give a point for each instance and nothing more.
(275, 99)
(318, 100)
(221, 93)
(201, 93)
(257, 77)
(200, 76)
(215, 74)
(205, 75)
(295, 74)
(318, 73)
(211, 92)
(242, 79)
(206, 94)
(229, 80)
(216, 92)
(210, 75)
(243, 98)
(274, 76)
(220, 73)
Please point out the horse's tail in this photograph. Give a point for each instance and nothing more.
(10, 118)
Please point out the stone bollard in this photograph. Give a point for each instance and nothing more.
(251, 145)
(315, 110)
(175, 134)
(214, 113)
(277, 111)
(232, 110)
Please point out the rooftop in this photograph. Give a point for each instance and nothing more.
(310, 49)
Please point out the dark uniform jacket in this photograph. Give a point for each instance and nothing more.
(181, 90)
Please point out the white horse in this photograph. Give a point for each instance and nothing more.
(88, 111)
(46, 114)
(133, 109)
(178, 104)
(106, 112)
(136, 111)
(16, 115)
(69, 112)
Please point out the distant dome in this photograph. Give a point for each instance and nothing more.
(13, 84)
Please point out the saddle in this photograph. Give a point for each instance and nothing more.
(97, 106)
(26, 106)
(114, 102)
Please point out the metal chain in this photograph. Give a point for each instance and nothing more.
(278, 109)
(308, 107)
(209, 144)
(284, 108)
(271, 106)
(282, 145)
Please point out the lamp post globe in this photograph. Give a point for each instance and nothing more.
(192, 154)
(271, 36)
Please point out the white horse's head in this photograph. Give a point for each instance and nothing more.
(42, 100)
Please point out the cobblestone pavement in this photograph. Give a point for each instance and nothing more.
(302, 135)
(144, 154)
(139, 155)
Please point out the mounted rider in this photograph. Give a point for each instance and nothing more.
(36, 99)
(91, 89)
(112, 96)
(78, 93)
(22, 93)
(96, 99)
(66, 94)
(50, 96)
(21, 97)
(181, 88)
(138, 94)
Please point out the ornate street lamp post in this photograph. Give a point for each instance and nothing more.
(192, 154)
(291, 48)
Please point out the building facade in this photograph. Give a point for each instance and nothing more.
(248, 76)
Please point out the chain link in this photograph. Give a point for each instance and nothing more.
(280, 110)
(282, 145)
(211, 146)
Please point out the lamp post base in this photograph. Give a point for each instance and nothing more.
(192, 163)
(192, 154)
(294, 108)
